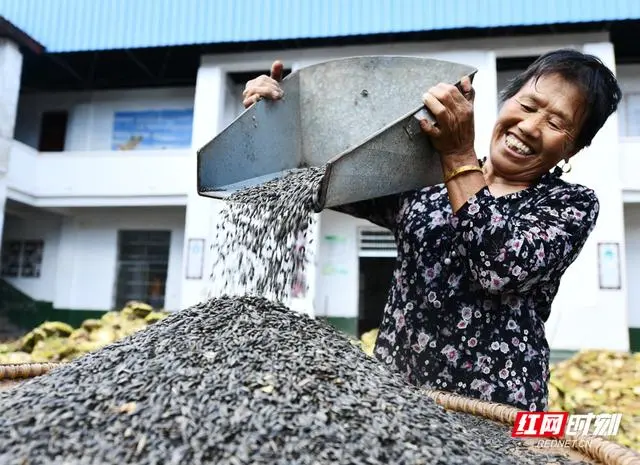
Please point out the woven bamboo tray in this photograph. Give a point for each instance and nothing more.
(594, 450)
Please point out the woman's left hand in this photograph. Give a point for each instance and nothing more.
(452, 108)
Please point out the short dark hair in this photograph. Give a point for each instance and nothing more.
(599, 86)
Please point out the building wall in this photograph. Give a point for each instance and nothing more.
(88, 173)
(80, 252)
(43, 226)
(582, 308)
(337, 266)
(575, 317)
(632, 262)
(91, 114)
(87, 283)
(98, 178)
(629, 79)
(10, 76)
(232, 101)
(629, 131)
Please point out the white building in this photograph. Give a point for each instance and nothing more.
(92, 220)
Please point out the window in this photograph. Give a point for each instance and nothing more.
(376, 242)
(143, 259)
(53, 131)
(630, 110)
(21, 259)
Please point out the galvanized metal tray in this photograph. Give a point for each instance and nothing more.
(357, 116)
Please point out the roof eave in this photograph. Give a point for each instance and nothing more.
(9, 31)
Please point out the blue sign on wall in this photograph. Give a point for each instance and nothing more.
(152, 129)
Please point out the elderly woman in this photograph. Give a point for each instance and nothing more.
(480, 256)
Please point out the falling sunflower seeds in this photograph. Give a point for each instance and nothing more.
(240, 380)
(261, 240)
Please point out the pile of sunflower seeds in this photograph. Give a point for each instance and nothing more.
(238, 381)
(261, 242)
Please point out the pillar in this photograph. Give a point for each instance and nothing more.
(207, 117)
(10, 74)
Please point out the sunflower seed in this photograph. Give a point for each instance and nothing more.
(262, 237)
(330, 402)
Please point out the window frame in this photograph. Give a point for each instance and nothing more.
(144, 261)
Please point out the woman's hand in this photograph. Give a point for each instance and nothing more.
(454, 134)
(264, 86)
(453, 137)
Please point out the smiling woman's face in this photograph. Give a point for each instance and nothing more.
(536, 128)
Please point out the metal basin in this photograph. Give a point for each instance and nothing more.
(356, 116)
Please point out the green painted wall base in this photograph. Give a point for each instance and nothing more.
(27, 313)
(29, 318)
(344, 324)
(559, 355)
(23, 311)
(634, 339)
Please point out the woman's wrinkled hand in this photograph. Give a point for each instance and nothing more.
(264, 86)
(452, 107)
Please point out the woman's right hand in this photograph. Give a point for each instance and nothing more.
(264, 86)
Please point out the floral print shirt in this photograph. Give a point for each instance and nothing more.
(471, 291)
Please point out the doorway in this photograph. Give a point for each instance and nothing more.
(53, 131)
(376, 262)
(376, 274)
(143, 261)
